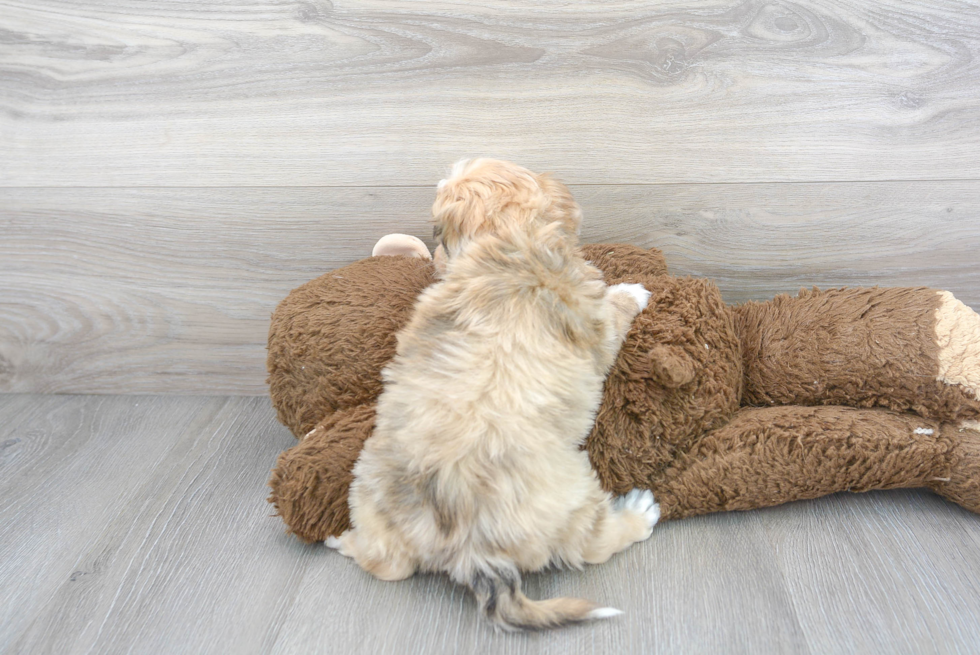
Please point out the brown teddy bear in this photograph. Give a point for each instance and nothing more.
(712, 407)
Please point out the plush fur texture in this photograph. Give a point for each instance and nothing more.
(712, 407)
(475, 468)
(701, 447)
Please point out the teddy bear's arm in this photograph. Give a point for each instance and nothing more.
(905, 349)
(769, 456)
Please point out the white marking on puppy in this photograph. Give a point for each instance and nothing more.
(640, 501)
(603, 613)
(640, 295)
(336, 544)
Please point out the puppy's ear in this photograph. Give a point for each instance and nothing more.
(456, 213)
(561, 205)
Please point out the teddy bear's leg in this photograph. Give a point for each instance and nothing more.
(769, 456)
(311, 480)
(962, 484)
(904, 349)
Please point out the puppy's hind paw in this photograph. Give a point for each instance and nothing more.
(637, 291)
(336, 543)
(642, 503)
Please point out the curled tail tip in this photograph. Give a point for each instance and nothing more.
(603, 613)
(499, 594)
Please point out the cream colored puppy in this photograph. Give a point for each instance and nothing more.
(475, 467)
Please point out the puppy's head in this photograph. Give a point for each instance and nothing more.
(488, 196)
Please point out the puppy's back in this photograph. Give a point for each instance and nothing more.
(475, 461)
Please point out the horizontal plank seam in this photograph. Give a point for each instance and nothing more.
(136, 396)
(426, 186)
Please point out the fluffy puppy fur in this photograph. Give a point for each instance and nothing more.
(475, 467)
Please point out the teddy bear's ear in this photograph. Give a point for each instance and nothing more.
(405, 245)
(670, 366)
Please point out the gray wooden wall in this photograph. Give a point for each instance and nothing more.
(170, 170)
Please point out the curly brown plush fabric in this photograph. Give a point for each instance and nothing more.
(712, 407)
(857, 347)
(807, 452)
(330, 338)
(678, 376)
(313, 478)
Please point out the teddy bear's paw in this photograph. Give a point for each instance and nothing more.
(637, 291)
(958, 338)
(641, 503)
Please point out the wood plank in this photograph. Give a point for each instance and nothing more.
(170, 290)
(70, 469)
(190, 561)
(140, 523)
(900, 553)
(22, 437)
(756, 241)
(378, 92)
(705, 585)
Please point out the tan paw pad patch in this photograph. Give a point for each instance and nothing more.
(958, 337)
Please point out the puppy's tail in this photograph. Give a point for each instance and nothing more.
(498, 591)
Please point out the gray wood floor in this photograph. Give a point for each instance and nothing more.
(139, 524)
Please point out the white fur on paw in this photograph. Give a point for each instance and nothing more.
(637, 500)
(639, 293)
(336, 544)
(640, 501)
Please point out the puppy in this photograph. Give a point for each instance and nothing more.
(475, 467)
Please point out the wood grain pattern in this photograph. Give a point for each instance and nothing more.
(139, 524)
(71, 464)
(840, 557)
(170, 290)
(193, 527)
(379, 92)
